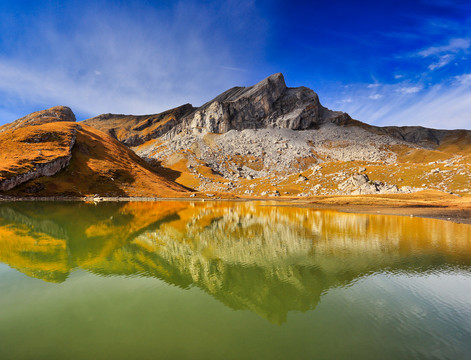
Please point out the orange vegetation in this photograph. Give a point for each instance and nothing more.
(99, 165)
(124, 127)
(26, 147)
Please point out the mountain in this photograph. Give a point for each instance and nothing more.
(48, 154)
(269, 140)
(264, 140)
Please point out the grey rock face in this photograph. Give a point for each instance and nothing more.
(268, 104)
(44, 169)
(360, 184)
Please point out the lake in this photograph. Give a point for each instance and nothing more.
(230, 280)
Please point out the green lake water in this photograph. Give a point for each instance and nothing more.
(230, 280)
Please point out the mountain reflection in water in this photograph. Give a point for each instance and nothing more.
(249, 255)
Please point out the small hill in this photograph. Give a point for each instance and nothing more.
(47, 158)
(54, 114)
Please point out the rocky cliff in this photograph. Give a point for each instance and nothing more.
(31, 152)
(268, 104)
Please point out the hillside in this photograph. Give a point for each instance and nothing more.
(54, 156)
(271, 140)
(135, 130)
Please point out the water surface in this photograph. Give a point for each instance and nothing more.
(214, 280)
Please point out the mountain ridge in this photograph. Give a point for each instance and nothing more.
(267, 104)
(263, 140)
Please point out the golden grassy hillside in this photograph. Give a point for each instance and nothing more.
(99, 165)
(24, 148)
(47, 153)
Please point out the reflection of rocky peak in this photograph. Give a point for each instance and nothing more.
(267, 259)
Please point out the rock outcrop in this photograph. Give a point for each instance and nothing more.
(42, 169)
(267, 104)
(54, 114)
(360, 184)
(34, 147)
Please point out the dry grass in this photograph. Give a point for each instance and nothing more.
(144, 127)
(25, 147)
(100, 165)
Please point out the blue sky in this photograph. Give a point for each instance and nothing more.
(384, 62)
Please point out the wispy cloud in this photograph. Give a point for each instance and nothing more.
(409, 89)
(442, 61)
(464, 79)
(140, 61)
(375, 96)
(454, 45)
(233, 68)
(446, 105)
(445, 54)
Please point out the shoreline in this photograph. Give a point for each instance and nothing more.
(426, 204)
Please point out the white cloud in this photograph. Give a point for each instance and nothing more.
(446, 105)
(409, 89)
(375, 96)
(453, 46)
(464, 79)
(231, 68)
(442, 61)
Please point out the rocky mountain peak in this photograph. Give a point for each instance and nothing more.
(267, 104)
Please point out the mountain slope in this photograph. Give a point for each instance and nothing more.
(134, 130)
